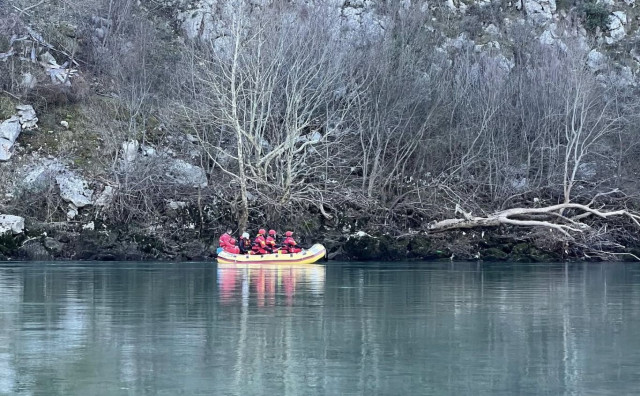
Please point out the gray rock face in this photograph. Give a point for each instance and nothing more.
(10, 223)
(212, 20)
(540, 11)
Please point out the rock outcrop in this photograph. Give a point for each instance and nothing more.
(12, 224)
(10, 129)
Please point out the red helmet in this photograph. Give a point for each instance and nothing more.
(272, 232)
(288, 233)
(262, 231)
(232, 241)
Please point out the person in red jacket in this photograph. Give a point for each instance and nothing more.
(231, 247)
(260, 243)
(224, 239)
(271, 241)
(290, 244)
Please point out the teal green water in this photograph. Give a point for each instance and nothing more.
(343, 329)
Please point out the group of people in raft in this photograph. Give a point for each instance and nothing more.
(262, 244)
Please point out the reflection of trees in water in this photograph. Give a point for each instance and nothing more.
(386, 330)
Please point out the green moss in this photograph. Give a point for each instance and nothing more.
(7, 107)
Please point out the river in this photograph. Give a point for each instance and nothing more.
(343, 328)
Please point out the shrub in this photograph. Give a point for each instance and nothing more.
(596, 16)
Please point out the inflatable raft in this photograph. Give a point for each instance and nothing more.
(312, 255)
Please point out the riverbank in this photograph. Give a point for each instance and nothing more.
(99, 242)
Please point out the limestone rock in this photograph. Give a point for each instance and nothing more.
(552, 37)
(72, 212)
(130, 151)
(74, 189)
(175, 205)
(5, 149)
(9, 132)
(40, 176)
(596, 61)
(27, 117)
(10, 223)
(184, 173)
(10, 129)
(617, 21)
(540, 11)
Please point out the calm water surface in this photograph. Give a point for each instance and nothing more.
(388, 329)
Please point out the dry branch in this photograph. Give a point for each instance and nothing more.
(522, 217)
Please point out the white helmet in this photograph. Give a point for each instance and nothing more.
(245, 235)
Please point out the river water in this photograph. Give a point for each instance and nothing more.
(340, 329)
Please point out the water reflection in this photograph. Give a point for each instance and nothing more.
(266, 283)
(130, 329)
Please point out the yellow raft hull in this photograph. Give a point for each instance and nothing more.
(312, 255)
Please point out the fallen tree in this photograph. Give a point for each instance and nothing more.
(547, 216)
(568, 219)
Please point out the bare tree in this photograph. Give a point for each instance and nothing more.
(282, 91)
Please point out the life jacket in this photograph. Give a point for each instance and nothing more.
(290, 245)
(224, 240)
(271, 241)
(260, 245)
(233, 249)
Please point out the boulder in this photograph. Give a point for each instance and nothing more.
(596, 61)
(74, 189)
(72, 212)
(130, 151)
(552, 37)
(40, 176)
(5, 149)
(617, 20)
(10, 129)
(10, 223)
(175, 205)
(183, 173)
(27, 117)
